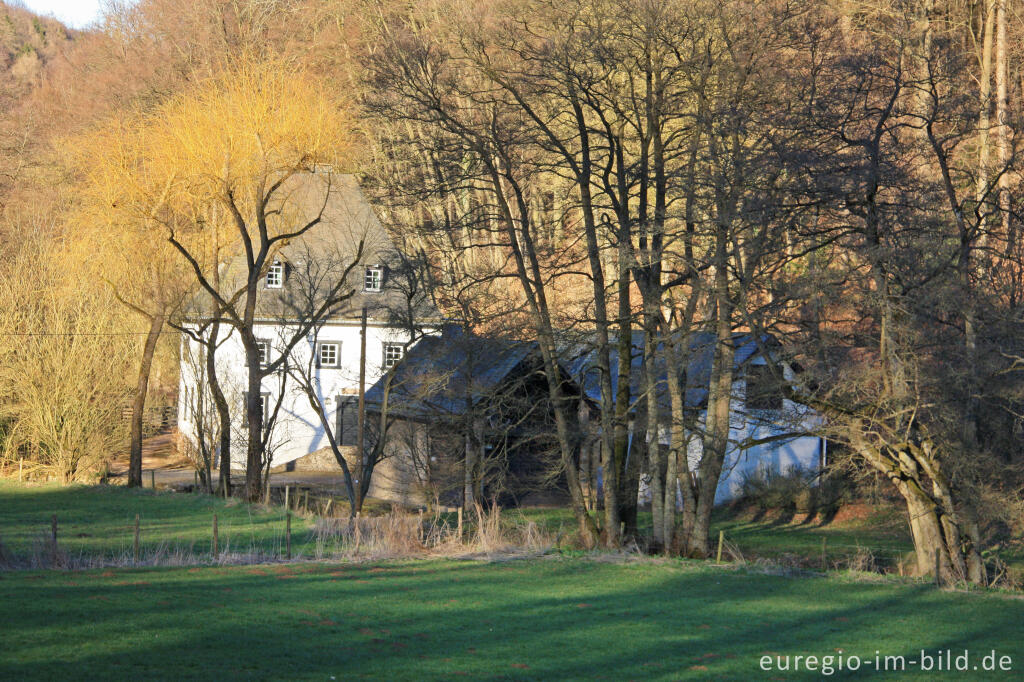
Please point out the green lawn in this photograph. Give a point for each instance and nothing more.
(553, 618)
(549, 618)
(98, 521)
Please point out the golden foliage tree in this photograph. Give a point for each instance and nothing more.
(211, 171)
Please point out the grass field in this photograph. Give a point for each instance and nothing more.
(98, 521)
(554, 618)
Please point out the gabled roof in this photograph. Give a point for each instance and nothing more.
(326, 248)
(582, 366)
(446, 375)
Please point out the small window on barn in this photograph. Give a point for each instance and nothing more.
(347, 421)
(328, 354)
(275, 275)
(763, 389)
(374, 279)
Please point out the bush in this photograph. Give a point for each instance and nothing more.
(791, 490)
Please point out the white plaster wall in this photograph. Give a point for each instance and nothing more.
(779, 456)
(741, 461)
(298, 430)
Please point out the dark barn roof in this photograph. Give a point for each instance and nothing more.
(446, 375)
(582, 366)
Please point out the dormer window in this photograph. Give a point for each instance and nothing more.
(374, 278)
(275, 275)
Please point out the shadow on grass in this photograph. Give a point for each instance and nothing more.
(545, 619)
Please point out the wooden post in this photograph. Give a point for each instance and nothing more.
(135, 544)
(216, 539)
(288, 535)
(195, 476)
(824, 561)
(721, 539)
(305, 502)
(152, 479)
(287, 491)
(21, 464)
(327, 510)
(421, 526)
(460, 524)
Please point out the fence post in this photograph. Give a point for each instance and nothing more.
(152, 479)
(287, 492)
(327, 509)
(460, 524)
(288, 535)
(135, 544)
(216, 538)
(721, 538)
(53, 531)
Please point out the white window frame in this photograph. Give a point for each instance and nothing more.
(373, 278)
(337, 354)
(275, 275)
(264, 352)
(391, 361)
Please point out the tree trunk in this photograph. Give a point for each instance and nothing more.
(655, 458)
(717, 419)
(254, 420)
(156, 324)
(670, 498)
(469, 477)
(223, 412)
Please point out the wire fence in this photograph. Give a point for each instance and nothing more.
(303, 523)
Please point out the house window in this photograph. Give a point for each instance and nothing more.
(346, 430)
(275, 275)
(264, 406)
(393, 353)
(763, 390)
(374, 278)
(328, 354)
(263, 346)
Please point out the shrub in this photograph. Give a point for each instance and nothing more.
(790, 490)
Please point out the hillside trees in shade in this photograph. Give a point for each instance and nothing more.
(655, 123)
(821, 175)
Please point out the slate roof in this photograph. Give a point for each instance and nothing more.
(328, 246)
(445, 375)
(582, 366)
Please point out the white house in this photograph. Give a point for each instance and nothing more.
(769, 434)
(332, 350)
